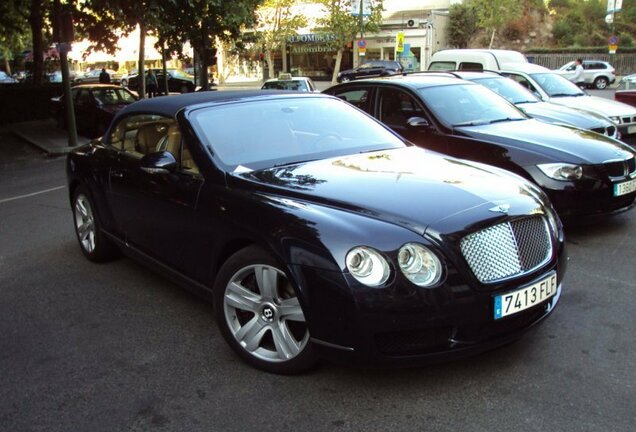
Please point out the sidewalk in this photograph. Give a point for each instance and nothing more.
(45, 135)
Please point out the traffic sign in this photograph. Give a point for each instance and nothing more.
(613, 40)
(362, 43)
(399, 42)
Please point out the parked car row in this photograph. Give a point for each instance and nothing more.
(396, 220)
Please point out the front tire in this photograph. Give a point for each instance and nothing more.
(124, 83)
(259, 314)
(345, 79)
(95, 246)
(601, 83)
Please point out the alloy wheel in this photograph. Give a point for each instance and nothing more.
(263, 314)
(85, 223)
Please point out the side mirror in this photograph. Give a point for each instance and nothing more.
(418, 122)
(161, 162)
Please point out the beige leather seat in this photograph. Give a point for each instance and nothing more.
(148, 137)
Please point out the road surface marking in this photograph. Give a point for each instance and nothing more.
(31, 194)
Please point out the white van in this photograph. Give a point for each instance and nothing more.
(474, 59)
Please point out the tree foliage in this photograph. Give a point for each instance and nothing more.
(341, 27)
(462, 24)
(277, 20)
(493, 15)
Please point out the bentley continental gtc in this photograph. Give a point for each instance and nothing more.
(316, 231)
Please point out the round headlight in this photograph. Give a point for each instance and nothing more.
(367, 266)
(419, 265)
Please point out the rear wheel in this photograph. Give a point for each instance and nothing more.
(259, 314)
(124, 83)
(345, 79)
(95, 246)
(601, 83)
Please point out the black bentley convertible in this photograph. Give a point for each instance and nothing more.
(316, 231)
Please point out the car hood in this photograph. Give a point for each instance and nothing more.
(607, 107)
(550, 143)
(554, 113)
(410, 187)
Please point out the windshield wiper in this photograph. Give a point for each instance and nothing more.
(472, 123)
(281, 164)
(506, 119)
(566, 94)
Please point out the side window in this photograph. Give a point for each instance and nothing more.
(139, 135)
(442, 66)
(396, 107)
(358, 97)
(471, 66)
(523, 81)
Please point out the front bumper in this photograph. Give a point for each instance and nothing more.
(403, 325)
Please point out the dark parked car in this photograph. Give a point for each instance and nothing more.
(178, 81)
(583, 173)
(529, 103)
(317, 231)
(94, 105)
(374, 68)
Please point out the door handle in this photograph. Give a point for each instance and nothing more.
(118, 174)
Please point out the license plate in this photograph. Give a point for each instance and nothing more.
(631, 129)
(524, 298)
(624, 188)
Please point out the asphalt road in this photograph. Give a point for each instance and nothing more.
(114, 347)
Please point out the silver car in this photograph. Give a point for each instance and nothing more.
(597, 74)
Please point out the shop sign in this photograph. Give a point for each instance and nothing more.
(311, 38)
(399, 40)
(302, 49)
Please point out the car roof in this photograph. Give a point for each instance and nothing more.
(414, 80)
(471, 75)
(169, 106)
(524, 67)
(287, 79)
(90, 86)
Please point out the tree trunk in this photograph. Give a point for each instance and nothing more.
(141, 88)
(336, 68)
(205, 61)
(270, 63)
(36, 21)
(7, 66)
(492, 38)
(165, 68)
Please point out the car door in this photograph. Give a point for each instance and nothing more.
(395, 107)
(84, 105)
(155, 210)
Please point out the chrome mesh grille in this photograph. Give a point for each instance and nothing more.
(507, 250)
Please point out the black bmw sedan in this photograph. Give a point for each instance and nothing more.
(316, 231)
(584, 173)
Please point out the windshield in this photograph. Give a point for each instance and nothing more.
(468, 105)
(265, 133)
(179, 74)
(556, 85)
(113, 96)
(505, 87)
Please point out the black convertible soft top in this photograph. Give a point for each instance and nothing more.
(169, 106)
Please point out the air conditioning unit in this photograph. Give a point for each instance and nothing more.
(416, 23)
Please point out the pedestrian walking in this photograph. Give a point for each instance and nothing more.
(578, 74)
(151, 84)
(104, 77)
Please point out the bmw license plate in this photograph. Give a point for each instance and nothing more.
(524, 298)
(631, 129)
(624, 188)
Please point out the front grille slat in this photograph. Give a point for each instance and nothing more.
(508, 249)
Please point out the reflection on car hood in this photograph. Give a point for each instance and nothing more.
(410, 187)
(112, 109)
(552, 112)
(551, 143)
(607, 107)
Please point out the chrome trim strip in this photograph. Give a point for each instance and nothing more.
(330, 345)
